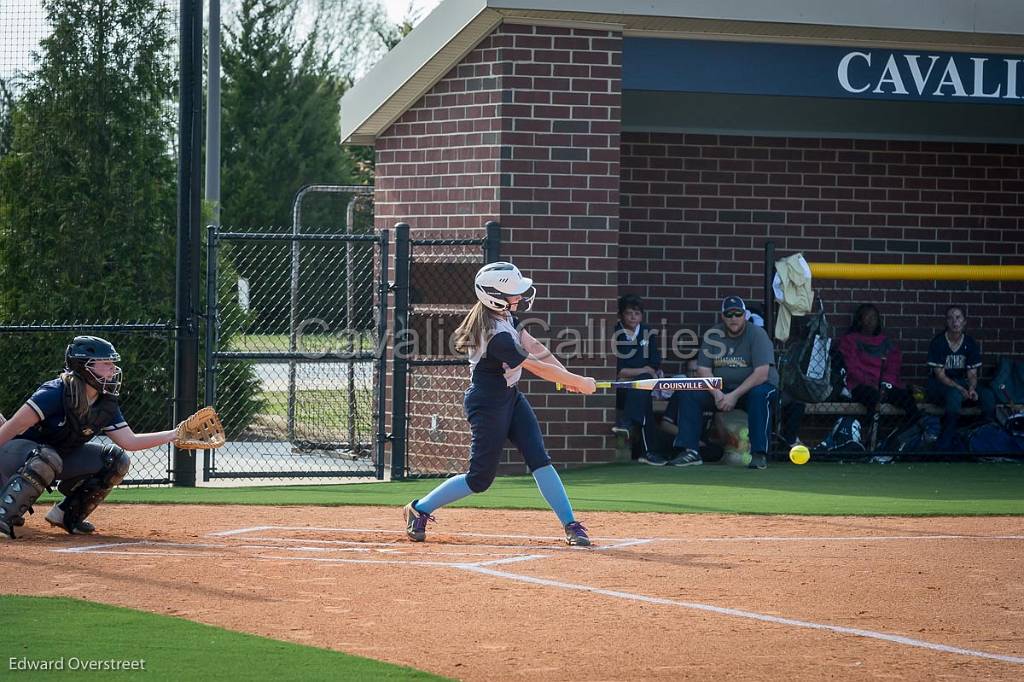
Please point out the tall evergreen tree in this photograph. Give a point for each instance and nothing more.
(87, 192)
(281, 132)
(87, 188)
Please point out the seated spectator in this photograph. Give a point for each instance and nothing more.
(954, 358)
(873, 362)
(742, 355)
(637, 357)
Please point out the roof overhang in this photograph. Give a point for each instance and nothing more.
(455, 27)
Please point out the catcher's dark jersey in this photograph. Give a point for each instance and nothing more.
(48, 403)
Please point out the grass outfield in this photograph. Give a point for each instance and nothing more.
(814, 489)
(41, 629)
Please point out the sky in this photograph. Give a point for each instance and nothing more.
(22, 25)
(396, 9)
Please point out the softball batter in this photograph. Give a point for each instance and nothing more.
(495, 408)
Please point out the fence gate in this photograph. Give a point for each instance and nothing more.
(295, 345)
(433, 292)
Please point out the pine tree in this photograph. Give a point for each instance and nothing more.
(281, 132)
(87, 188)
(87, 194)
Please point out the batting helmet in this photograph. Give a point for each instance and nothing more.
(496, 282)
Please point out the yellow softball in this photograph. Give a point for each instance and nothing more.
(799, 454)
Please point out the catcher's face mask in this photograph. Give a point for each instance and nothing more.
(107, 375)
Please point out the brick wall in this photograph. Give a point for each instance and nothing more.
(525, 130)
(698, 209)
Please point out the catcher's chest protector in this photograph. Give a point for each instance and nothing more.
(75, 431)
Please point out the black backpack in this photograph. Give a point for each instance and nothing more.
(843, 443)
(805, 368)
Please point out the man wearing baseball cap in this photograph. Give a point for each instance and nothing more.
(742, 355)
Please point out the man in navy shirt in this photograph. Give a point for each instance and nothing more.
(954, 358)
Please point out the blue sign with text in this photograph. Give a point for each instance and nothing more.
(820, 71)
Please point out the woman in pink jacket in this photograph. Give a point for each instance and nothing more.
(873, 362)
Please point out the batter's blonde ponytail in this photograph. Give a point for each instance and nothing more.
(474, 326)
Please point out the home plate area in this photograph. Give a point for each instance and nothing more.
(356, 545)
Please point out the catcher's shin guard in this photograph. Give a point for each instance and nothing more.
(85, 494)
(28, 483)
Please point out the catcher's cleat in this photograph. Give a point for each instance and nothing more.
(576, 534)
(55, 517)
(416, 522)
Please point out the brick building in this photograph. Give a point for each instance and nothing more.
(655, 147)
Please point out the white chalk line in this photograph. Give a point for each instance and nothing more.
(738, 613)
(509, 560)
(618, 543)
(390, 531)
(402, 543)
(841, 538)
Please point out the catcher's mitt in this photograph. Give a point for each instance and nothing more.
(201, 431)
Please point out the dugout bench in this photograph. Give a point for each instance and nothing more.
(623, 445)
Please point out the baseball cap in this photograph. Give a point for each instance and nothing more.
(733, 303)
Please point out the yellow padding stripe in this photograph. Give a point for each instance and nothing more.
(865, 271)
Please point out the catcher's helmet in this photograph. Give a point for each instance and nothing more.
(84, 352)
(496, 282)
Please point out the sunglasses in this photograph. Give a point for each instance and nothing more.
(733, 313)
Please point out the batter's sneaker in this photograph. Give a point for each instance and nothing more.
(416, 522)
(55, 517)
(576, 534)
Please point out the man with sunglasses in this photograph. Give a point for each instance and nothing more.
(742, 355)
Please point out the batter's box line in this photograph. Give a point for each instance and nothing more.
(119, 549)
(617, 543)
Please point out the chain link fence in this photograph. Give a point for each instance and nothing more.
(294, 345)
(33, 354)
(431, 435)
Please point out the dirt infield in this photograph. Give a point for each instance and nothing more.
(495, 595)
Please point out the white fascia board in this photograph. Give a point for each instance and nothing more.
(384, 92)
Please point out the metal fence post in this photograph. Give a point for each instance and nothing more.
(212, 326)
(384, 289)
(400, 378)
(189, 242)
(492, 247)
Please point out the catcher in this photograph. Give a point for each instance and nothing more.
(48, 439)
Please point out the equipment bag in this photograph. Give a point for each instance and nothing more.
(805, 369)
